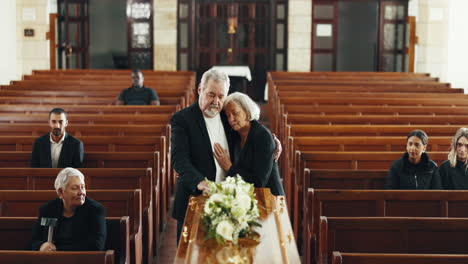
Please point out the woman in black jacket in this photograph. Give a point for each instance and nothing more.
(414, 170)
(454, 171)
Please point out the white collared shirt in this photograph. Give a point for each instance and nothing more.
(217, 135)
(55, 149)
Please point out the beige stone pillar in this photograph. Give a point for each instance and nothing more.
(299, 35)
(165, 35)
(32, 52)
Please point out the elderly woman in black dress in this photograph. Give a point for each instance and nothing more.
(253, 147)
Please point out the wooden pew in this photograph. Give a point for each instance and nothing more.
(118, 236)
(375, 110)
(368, 130)
(324, 93)
(295, 189)
(344, 179)
(382, 258)
(375, 101)
(90, 109)
(79, 130)
(364, 143)
(20, 257)
(366, 203)
(376, 75)
(96, 179)
(118, 203)
(78, 100)
(392, 235)
(89, 118)
(113, 144)
(375, 119)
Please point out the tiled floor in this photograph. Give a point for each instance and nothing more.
(168, 249)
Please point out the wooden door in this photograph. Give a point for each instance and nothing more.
(392, 52)
(73, 34)
(233, 32)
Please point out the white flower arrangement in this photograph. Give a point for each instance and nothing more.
(231, 210)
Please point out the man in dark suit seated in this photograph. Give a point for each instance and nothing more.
(57, 149)
(138, 94)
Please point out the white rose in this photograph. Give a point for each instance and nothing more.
(217, 197)
(243, 200)
(229, 188)
(238, 211)
(225, 229)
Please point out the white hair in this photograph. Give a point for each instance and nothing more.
(215, 75)
(246, 103)
(64, 176)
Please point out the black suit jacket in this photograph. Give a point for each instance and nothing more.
(88, 226)
(255, 162)
(192, 154)
(71, 155)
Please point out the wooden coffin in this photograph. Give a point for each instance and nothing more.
(277, 243)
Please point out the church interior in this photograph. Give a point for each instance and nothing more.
(342, 84)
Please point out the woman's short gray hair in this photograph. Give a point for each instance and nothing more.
(247, 104)
(215, 75)
(64, 176)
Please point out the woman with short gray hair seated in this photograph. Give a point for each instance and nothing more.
(253, 147)
(80, 221)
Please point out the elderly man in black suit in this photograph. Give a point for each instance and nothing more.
(195, 130)
(57, 149)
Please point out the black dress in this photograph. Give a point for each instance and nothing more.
(254, 161)
(455, 178)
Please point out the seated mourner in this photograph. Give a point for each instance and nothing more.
(453, 172)
(80, 221)
(414, 170)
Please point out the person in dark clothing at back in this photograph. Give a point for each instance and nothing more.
(138, 94)
(453, 172)
(414, 170)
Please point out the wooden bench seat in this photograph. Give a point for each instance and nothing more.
(118, 203)
(375, 110)
(370, 94)
(295, 187)
(63, 101)
(367, 203)
(76, 257)
(344, 179)
(364, 143)
(375, 119)
(392, 235)
(91, 109)
(150, 144)
(374, 101)
(88, 118)
(79, 130)
(382, 258)
(368, 130)
(414, 84)
(162, 93)
(305, 75)
(118, 238)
